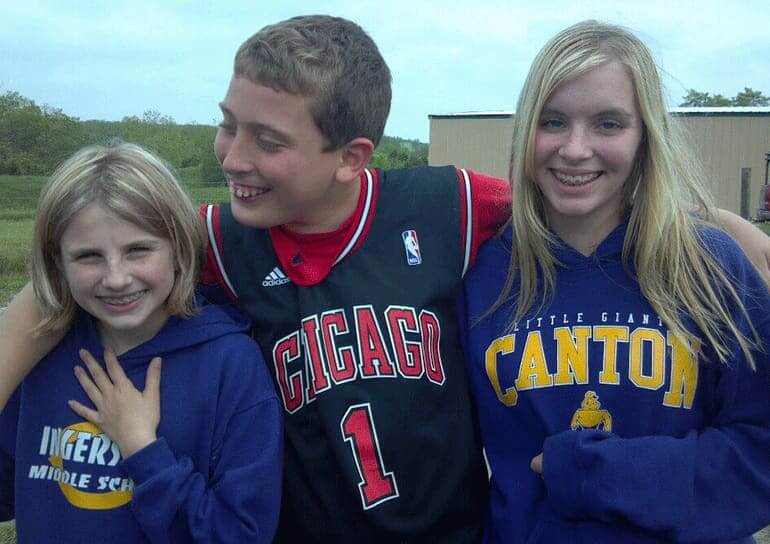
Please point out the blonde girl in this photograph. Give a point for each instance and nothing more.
(116, 252)
(615, 339)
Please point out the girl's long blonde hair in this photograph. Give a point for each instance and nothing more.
(675, 271)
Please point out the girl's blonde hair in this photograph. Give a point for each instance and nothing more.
(136, 186)
(663, 246)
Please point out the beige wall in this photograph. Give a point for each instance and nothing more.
(726, 143)
(481, 144)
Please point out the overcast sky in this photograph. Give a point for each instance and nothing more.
(108, 59)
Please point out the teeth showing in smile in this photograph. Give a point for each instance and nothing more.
(242, 191)
(120, 301)
(576, 180)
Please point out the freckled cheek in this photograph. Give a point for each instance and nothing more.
(156, 277)
(160, 272)
(81, 282)
(546, 146)
(620, 157)
(542, 157)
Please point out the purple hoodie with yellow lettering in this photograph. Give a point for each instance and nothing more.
(642, 440)
(214, 474)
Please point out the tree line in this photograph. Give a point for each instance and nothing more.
(747, 97)
(34, 139)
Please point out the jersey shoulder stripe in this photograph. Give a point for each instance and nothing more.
(368, 186)
(466, 203)
(215, 246)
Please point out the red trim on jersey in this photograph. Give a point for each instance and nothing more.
(490, 201)
(308, 258)
(212, 273)
(490, 205)
(366, 205)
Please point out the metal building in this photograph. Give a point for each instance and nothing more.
(727, 140)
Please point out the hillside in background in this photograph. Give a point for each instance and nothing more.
(34, 139)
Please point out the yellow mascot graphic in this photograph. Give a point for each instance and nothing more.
(590, 415)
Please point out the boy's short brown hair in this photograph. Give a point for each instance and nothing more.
(332, 61)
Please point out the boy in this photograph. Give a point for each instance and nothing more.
(351, 282)
(350, 277)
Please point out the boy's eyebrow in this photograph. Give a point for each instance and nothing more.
(255, 126)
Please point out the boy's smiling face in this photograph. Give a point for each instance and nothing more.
(272, 154)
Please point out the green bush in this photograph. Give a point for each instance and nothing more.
(211, 170)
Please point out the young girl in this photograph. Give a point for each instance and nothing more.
(615, 340)
(116, 252)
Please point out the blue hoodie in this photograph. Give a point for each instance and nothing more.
(641, 441)
(213, 475)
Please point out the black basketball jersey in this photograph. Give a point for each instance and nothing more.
(381, 444)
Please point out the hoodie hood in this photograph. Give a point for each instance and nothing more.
(609, 250)
(212, 321)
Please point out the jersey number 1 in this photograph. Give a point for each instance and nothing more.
(376, 485)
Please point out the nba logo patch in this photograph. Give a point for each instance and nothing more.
(412, 247)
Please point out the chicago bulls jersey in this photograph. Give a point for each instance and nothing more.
(380, 441)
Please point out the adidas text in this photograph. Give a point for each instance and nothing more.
(274, 278)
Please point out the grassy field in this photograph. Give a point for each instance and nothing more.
(18, 198)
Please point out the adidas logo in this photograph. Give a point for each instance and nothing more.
(274, 278)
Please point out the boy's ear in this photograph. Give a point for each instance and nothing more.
(354, 156)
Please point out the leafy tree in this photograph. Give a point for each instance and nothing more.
(747, 97)
(399, 153)
(750, 97)
(34, 139)
(156, 118)
(12, 100)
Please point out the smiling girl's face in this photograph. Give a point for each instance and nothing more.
(586, 145)
(118, 273)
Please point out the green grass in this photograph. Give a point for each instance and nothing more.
(207, 193)
(18, 200)
(7, 532)
(14, 239)
(18, 197)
